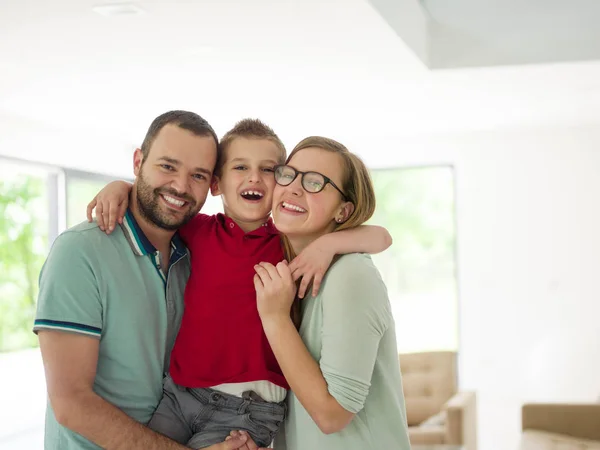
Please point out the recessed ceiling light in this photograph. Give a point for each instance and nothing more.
(118, 9)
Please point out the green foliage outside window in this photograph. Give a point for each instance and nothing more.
(23, 247)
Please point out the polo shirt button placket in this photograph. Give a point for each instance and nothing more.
(231, 225)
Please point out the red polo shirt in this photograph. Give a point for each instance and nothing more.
(221, 339)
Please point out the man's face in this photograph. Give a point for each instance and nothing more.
(173, 182)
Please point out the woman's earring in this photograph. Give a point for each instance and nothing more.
(338, 220)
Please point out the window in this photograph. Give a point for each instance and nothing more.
(24, 229)
(416, 205)
(81, 189)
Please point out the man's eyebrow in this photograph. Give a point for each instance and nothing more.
(176, 162)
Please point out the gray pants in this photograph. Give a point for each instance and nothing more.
(201, 417)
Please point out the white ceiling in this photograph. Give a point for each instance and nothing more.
(330, 67)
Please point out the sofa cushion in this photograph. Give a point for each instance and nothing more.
(426, 436)
(542, 440)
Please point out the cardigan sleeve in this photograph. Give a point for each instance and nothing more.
(356, 314)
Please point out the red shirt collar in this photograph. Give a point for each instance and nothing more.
(233, 229)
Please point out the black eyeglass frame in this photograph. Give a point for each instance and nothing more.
(297, 172)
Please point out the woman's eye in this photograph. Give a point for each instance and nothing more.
(239, 168)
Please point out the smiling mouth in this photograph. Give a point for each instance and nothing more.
(252, 195)
(172, 201)
(289, 207)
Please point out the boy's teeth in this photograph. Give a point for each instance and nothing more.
(252, 193)
(293, 207)
(173, 201)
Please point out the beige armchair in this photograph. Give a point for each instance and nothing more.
(565, 427)
(436, 412)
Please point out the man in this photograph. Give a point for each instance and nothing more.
(110, 306)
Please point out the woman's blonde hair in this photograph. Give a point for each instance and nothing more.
(356, 185)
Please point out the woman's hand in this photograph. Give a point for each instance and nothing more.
(110, 203)
(311, 264)
(275, 290)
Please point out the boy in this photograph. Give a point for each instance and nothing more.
(223, 374)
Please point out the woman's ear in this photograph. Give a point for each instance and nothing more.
(214, 186)
(345, 212)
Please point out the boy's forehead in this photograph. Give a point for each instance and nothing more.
(255, 149)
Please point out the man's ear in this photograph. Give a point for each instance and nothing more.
(214, 186)
(138, 158)
(345, 212)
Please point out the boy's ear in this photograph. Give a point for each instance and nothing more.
(138, 158)
(214, 186)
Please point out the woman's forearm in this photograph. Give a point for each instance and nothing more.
(304, 375)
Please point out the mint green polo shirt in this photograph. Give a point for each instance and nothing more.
(112, 288)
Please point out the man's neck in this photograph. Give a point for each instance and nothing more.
(158, 237)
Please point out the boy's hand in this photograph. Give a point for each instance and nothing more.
(110, 203)
(275, 290)
(311, 264)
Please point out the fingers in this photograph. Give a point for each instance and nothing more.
(90, 208)
(122, 211)
(112, 216)
(100, 216)
(234, 441)
(317, 283)
(266, 271)
(258, 284)
(303, 285)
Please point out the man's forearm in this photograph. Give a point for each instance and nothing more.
(107, 426)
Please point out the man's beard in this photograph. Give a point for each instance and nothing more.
(147, 200)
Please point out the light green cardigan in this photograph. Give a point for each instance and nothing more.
(349, 329)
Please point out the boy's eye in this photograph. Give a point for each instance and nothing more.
(268, 169)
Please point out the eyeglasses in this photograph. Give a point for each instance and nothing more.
(312, 182)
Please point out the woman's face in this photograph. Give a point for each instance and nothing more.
(305, 215)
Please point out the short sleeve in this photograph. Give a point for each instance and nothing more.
(190, 229)
(69, 298)
(356, 314)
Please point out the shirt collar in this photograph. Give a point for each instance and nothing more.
(233, 228)
(139, 242)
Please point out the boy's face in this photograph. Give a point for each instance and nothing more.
(247, 182)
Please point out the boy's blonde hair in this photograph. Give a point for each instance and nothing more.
(249, 129)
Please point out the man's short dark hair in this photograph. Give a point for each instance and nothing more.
(183, 119)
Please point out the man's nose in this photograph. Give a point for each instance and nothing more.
(180, 183)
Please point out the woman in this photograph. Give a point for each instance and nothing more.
(342, 363)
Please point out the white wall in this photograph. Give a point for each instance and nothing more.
(75, 148)
(529, 263)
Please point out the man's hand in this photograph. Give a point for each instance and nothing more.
(238, 440)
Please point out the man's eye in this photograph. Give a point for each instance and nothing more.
(199, 176)
(167, 167)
